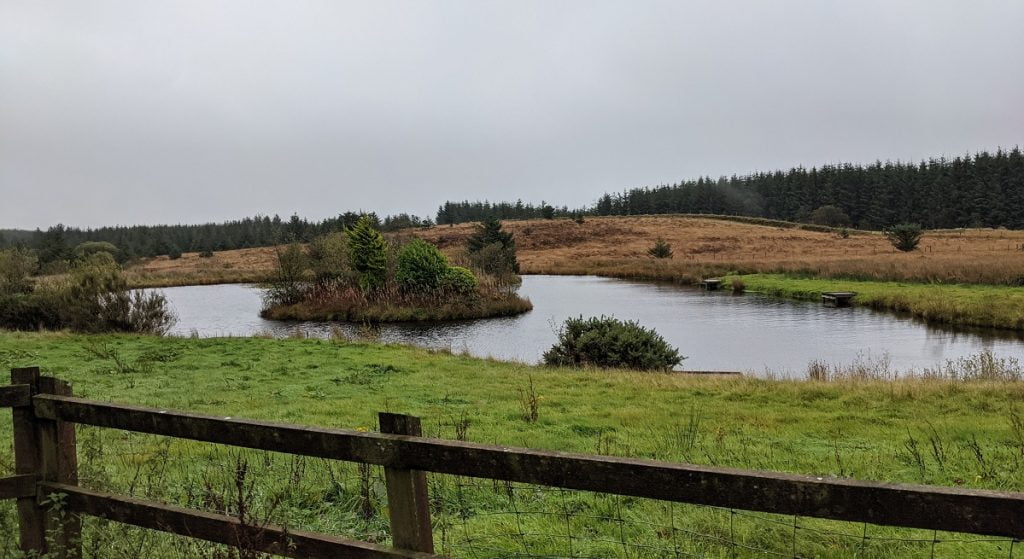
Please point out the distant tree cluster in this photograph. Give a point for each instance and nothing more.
(59, 243)
(466, 211)
(984, 190)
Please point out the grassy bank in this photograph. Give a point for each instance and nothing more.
(964, 305)
(937, 432)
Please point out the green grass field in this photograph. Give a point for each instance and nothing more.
(988, 306)
(935, 432)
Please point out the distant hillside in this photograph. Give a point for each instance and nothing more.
(983, 190)
(702, 246)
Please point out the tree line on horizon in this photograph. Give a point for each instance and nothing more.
(58, 242)
(981, 190)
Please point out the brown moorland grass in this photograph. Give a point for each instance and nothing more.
(617, 246)
(247, 265)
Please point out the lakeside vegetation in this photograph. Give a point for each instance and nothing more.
(962, 305)
(934, 431)
(361, 276)
(93, 297)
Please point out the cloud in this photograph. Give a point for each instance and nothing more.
(145, 112)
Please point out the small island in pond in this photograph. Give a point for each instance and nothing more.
(358, 275)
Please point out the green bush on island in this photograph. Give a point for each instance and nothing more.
(459, 280)
(421, 267)
(329, 259)
(361, 276)
(369, 254)
(609, 342)
(493, 250)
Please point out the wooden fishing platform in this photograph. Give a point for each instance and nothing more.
(838, 298)
(710, 284)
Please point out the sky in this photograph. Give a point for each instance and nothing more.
(181, 111)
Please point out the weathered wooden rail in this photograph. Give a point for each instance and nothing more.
(46, 464)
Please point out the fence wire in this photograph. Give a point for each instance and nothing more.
(472, 518)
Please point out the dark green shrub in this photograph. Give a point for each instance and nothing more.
(421, 267)
(495, 260)
(905, 236)
(92, 247)
(93, 280)
(492, 250)
(829, 216)
(39, 310)
(288, 284)
(661, 249)
(329, 259)
(368, 252)
(16, 265)
(95, 298)
(459, 280)
(206, 254)
(173, 252)
(608, 342)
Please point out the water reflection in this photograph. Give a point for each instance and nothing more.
(717, 331)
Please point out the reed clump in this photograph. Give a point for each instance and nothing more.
(984, 366)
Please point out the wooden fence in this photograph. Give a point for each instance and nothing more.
(45, 412)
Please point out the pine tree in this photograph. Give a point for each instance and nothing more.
(369, 253)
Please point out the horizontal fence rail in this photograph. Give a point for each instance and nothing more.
(990, 513)
(218, 528)
(45, 413)
(18, 487)
(14, 396)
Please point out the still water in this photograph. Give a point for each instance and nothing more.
(716, 331)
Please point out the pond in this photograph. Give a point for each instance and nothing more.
(716, 331)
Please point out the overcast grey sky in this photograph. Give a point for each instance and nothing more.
(192, 111)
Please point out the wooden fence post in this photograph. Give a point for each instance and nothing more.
(407, 492)
(60, 465)
(46, 449)
(28, 460)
